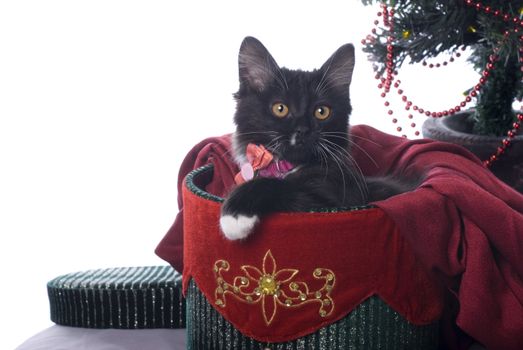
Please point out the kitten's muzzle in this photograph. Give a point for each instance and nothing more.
(298, 138)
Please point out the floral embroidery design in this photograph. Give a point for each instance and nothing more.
(273, 288)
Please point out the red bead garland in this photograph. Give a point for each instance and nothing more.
(445, 63)
(505, 144)
(516, 126)
(386, 83)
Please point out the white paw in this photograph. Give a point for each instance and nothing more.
(237, 227)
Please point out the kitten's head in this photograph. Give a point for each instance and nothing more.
(299, 116)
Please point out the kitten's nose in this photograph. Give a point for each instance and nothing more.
(300, 133)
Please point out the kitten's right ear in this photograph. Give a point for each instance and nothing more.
(339, 67)
(256, 65)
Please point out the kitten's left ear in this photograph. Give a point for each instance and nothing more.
(337, 70)
(257, 67)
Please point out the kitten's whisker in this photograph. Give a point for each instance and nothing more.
(231, 153)
(324, 158)
(341, 161)
(274, 145)
(352, 143)
(338, 159)
(338, 147)
(344, 152)
(338, 154)
(237, 150)
(342, 173)
(366, 139)
(351, 136)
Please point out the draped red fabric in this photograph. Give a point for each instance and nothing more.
(216, 151)
(463, 224)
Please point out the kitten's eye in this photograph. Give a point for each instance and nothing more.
(280, 110)
(322, 112)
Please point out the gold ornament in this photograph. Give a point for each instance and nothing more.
(406, 34)
(472, 29)
(273, 288)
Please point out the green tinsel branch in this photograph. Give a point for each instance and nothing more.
(426, 28)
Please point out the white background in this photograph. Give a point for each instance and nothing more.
(100, 101)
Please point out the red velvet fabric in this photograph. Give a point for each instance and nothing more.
(463, 224)
(216, 151)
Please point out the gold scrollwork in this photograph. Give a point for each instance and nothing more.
(273, 288)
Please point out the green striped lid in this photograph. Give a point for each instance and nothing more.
(123, 297)
(371, 325)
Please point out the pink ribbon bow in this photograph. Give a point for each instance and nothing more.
(260, 162)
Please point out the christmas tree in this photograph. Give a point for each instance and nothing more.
(492, 30)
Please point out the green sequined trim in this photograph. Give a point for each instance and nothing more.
(371, 325)
(342, 209)
(193, 175)
(208, 170)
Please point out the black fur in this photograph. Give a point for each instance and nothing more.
(326, 176)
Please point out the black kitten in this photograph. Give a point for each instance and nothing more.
(302, 119)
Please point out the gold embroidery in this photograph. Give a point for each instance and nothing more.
(272, 288)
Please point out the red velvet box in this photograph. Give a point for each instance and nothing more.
(301, 273)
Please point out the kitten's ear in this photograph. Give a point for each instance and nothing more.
(257, 67)
(337, 70)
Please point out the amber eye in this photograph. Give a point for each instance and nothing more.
(322, 112)
(280, 110)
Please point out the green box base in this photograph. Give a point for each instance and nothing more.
(372, 325)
